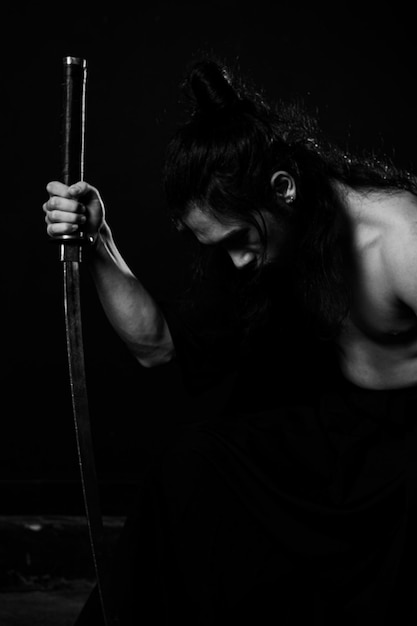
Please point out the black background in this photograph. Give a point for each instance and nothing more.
(353, 65)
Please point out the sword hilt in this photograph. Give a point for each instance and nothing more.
(73, 142)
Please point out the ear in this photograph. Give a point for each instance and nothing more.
(284, 186)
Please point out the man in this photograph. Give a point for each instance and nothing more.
(297, 500)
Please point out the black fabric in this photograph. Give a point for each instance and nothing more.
(302, 513)
(294, 504)
(277, 356)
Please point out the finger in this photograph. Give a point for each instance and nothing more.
(55, 230)
(56, 216)
(79, 189)
(56, 188)
(57, 203)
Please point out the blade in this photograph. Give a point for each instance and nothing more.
(79, 397)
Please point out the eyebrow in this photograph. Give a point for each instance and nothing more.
(232, 236)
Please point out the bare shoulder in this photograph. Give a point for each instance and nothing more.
(382, 217)
(393, 206)
(402, 203)
(399, 247)
(399, 215)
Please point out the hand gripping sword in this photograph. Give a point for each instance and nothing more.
(71, 248)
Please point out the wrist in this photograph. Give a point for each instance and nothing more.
(92, 244)
(98, 242)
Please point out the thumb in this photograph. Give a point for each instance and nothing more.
(79, 189)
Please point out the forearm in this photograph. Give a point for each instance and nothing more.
(131, 310)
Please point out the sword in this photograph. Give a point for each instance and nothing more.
(71, 252)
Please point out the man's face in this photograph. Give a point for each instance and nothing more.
(242, 240)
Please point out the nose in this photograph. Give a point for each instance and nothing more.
(241, 259)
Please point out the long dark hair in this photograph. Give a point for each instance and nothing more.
(223, 156)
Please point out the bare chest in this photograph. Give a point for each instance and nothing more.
(378, 343)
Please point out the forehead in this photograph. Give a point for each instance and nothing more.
(208, 228)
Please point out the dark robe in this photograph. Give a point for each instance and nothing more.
(294, 504)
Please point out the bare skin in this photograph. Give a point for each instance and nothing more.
(379, 341)
(378, 344)
(130, 308)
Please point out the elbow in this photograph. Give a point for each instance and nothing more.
(155, 359)
(153, 348)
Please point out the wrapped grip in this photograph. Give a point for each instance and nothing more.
(73, 119)
(73, 127)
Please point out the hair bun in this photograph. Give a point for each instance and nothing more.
(210, 87)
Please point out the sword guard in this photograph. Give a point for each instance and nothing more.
(71, 246)
(71, 249)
